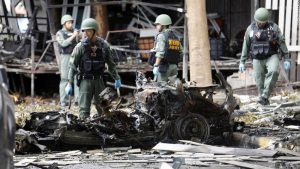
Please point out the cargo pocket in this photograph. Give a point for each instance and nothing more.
(87, 65)
(162, 68)
(96, 65)
(260, 48)
(266, 49)
(255, 50)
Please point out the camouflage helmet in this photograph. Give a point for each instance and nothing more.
(261, 15)
(163, 19)
(89, 23)
(66, 18)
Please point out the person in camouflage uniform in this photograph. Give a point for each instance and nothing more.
(89, 58)
(67, 39)
(167, 48)
(263, 41)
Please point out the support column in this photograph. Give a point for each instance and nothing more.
(199, 47)
(185, 60)
(99, 12)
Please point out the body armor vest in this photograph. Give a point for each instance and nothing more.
(92, 63)
(263, 41)
(67, 49)
(172, 48)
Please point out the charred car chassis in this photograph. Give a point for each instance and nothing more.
(156, 111)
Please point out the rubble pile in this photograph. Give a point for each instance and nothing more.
(278, 123)
(185, 154)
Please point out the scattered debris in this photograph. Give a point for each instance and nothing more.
(188, 157)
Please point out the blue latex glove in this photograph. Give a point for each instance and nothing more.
(287, 65)
(155, 70)
(242, 67)
(117, 84)
(68, 89)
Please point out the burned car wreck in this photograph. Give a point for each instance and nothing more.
(157, 111)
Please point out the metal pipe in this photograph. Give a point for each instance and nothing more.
(122, 86)
(32, 68)
(120, 2)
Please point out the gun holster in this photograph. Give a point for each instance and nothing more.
(78, 78)
(163, 67)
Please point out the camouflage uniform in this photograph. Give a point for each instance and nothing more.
(91, 85)
(265, 63)
(66, 48)
(160, 50)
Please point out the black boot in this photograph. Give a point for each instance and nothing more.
(84, 116)
(263, 101)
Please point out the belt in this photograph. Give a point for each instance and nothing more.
(93, 77)
(261, 57)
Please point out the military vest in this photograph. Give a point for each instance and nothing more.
(263, 41)
(93, 61)
(172, 48)
(67, 49)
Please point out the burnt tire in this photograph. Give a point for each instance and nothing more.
(192, 126)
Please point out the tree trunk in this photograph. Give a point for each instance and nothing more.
(99, 12)
(199, 48)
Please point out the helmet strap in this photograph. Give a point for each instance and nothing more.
(93, 36)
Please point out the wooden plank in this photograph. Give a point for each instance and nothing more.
(294, 23)
(114, 149)
(139, 161)
(134, 151)
(286, 151)
(59, 162)
(191, 142)
(74, 152)
(281, 15)
(288, 18)
(292, 127)
(243, 164)
(268, 4)
(275, 5)
(195, 163)
(24, 162)
(293, 69)
(295, 48)
(203, 156)
(287, 158)
(214, 149)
